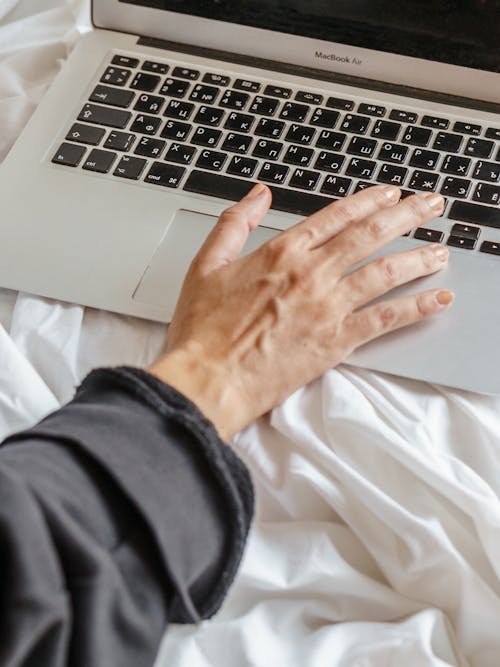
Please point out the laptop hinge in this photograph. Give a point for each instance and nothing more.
(320, 75)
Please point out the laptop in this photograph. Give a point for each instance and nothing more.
(170, 110)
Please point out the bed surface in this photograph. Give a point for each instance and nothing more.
(376, 541)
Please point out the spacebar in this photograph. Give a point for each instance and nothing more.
(290, 201)
(476, 214)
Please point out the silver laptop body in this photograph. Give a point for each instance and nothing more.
(117, 228)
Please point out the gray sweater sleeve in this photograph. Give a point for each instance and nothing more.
(120, 512)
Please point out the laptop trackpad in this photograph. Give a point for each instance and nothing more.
(161, 282)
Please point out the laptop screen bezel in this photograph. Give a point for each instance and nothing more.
(275, 46)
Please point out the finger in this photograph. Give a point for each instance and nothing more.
(321, 226)
(227, 238)
(381, 318)
(382, 275)
(359, 241)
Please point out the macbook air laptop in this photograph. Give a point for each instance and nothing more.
(169, 110)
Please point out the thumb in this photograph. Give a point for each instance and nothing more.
(227, 238)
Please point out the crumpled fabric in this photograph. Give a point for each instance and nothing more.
(376, 541)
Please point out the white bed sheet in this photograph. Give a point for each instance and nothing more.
(377, 536)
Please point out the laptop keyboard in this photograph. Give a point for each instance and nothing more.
(209, 133)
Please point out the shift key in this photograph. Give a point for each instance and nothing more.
(92, 113)
(488, 216)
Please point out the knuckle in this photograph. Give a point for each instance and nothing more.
(345, 210)
(388, 269)
(376, 228)
(232, 214)
(417, 207)
(278, 248)
(422, 307)
(386, 316)
(428, 257)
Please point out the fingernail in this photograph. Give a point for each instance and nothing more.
(256, 192)
(435, 201)
(445, 298)
(392, 193)
(441, 252)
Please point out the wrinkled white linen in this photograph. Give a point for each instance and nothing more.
(377, 536)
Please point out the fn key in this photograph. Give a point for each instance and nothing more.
(69, 155)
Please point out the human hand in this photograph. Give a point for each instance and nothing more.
(248, 331)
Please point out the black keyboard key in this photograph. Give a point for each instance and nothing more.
(485, 171)
(432, 235)
(278, 91)
(476, 214)
(304, 179)
(384, 129)
(116, 76)
(298, 155)
(237, 143)
(174, 88)
(296, 113)
(339, 103)
(492, 133)
(423, 180)
(149, 147)
(69, 155)
(125, 61)
(179, 110)
(336, 186)
(249, 86)
(465, 230)
(331, 140)
(206, 136)
(225, 187)
(156, 68)
(355, 124)
(209, 116)
(273, 173)
(456, 164)
(233, 99)
(455, 187)
(216, 79)
(85, 134)
(185, 73)
(424, 159)
(100, 161)
(392, 174)
(130, 167)
(269, 128)
(361, 146)
(242, 166)
(434, 121)
(167, 175)
(403, 116)
(416, 136)
(461, 242)
(490, 247)
(309, 98)
(361, 168)
(239, 122)
(445, 141)
(371, 109)
(393, 153)
(269, 150)
(149, 103)
(105, 116)
(115, 97)
(300, 134)
(487, 194)
(146, 82)
(213, 160)
(479, 148)
(205, 94)
(120, 141)
(175, 130)
(180, 153)
(362, 185)
(324, 118)
(146, 124)
(329, 161)
(467, 128)
(264, 106)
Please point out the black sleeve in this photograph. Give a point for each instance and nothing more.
(120, 512)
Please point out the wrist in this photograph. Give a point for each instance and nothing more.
(206, 384)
